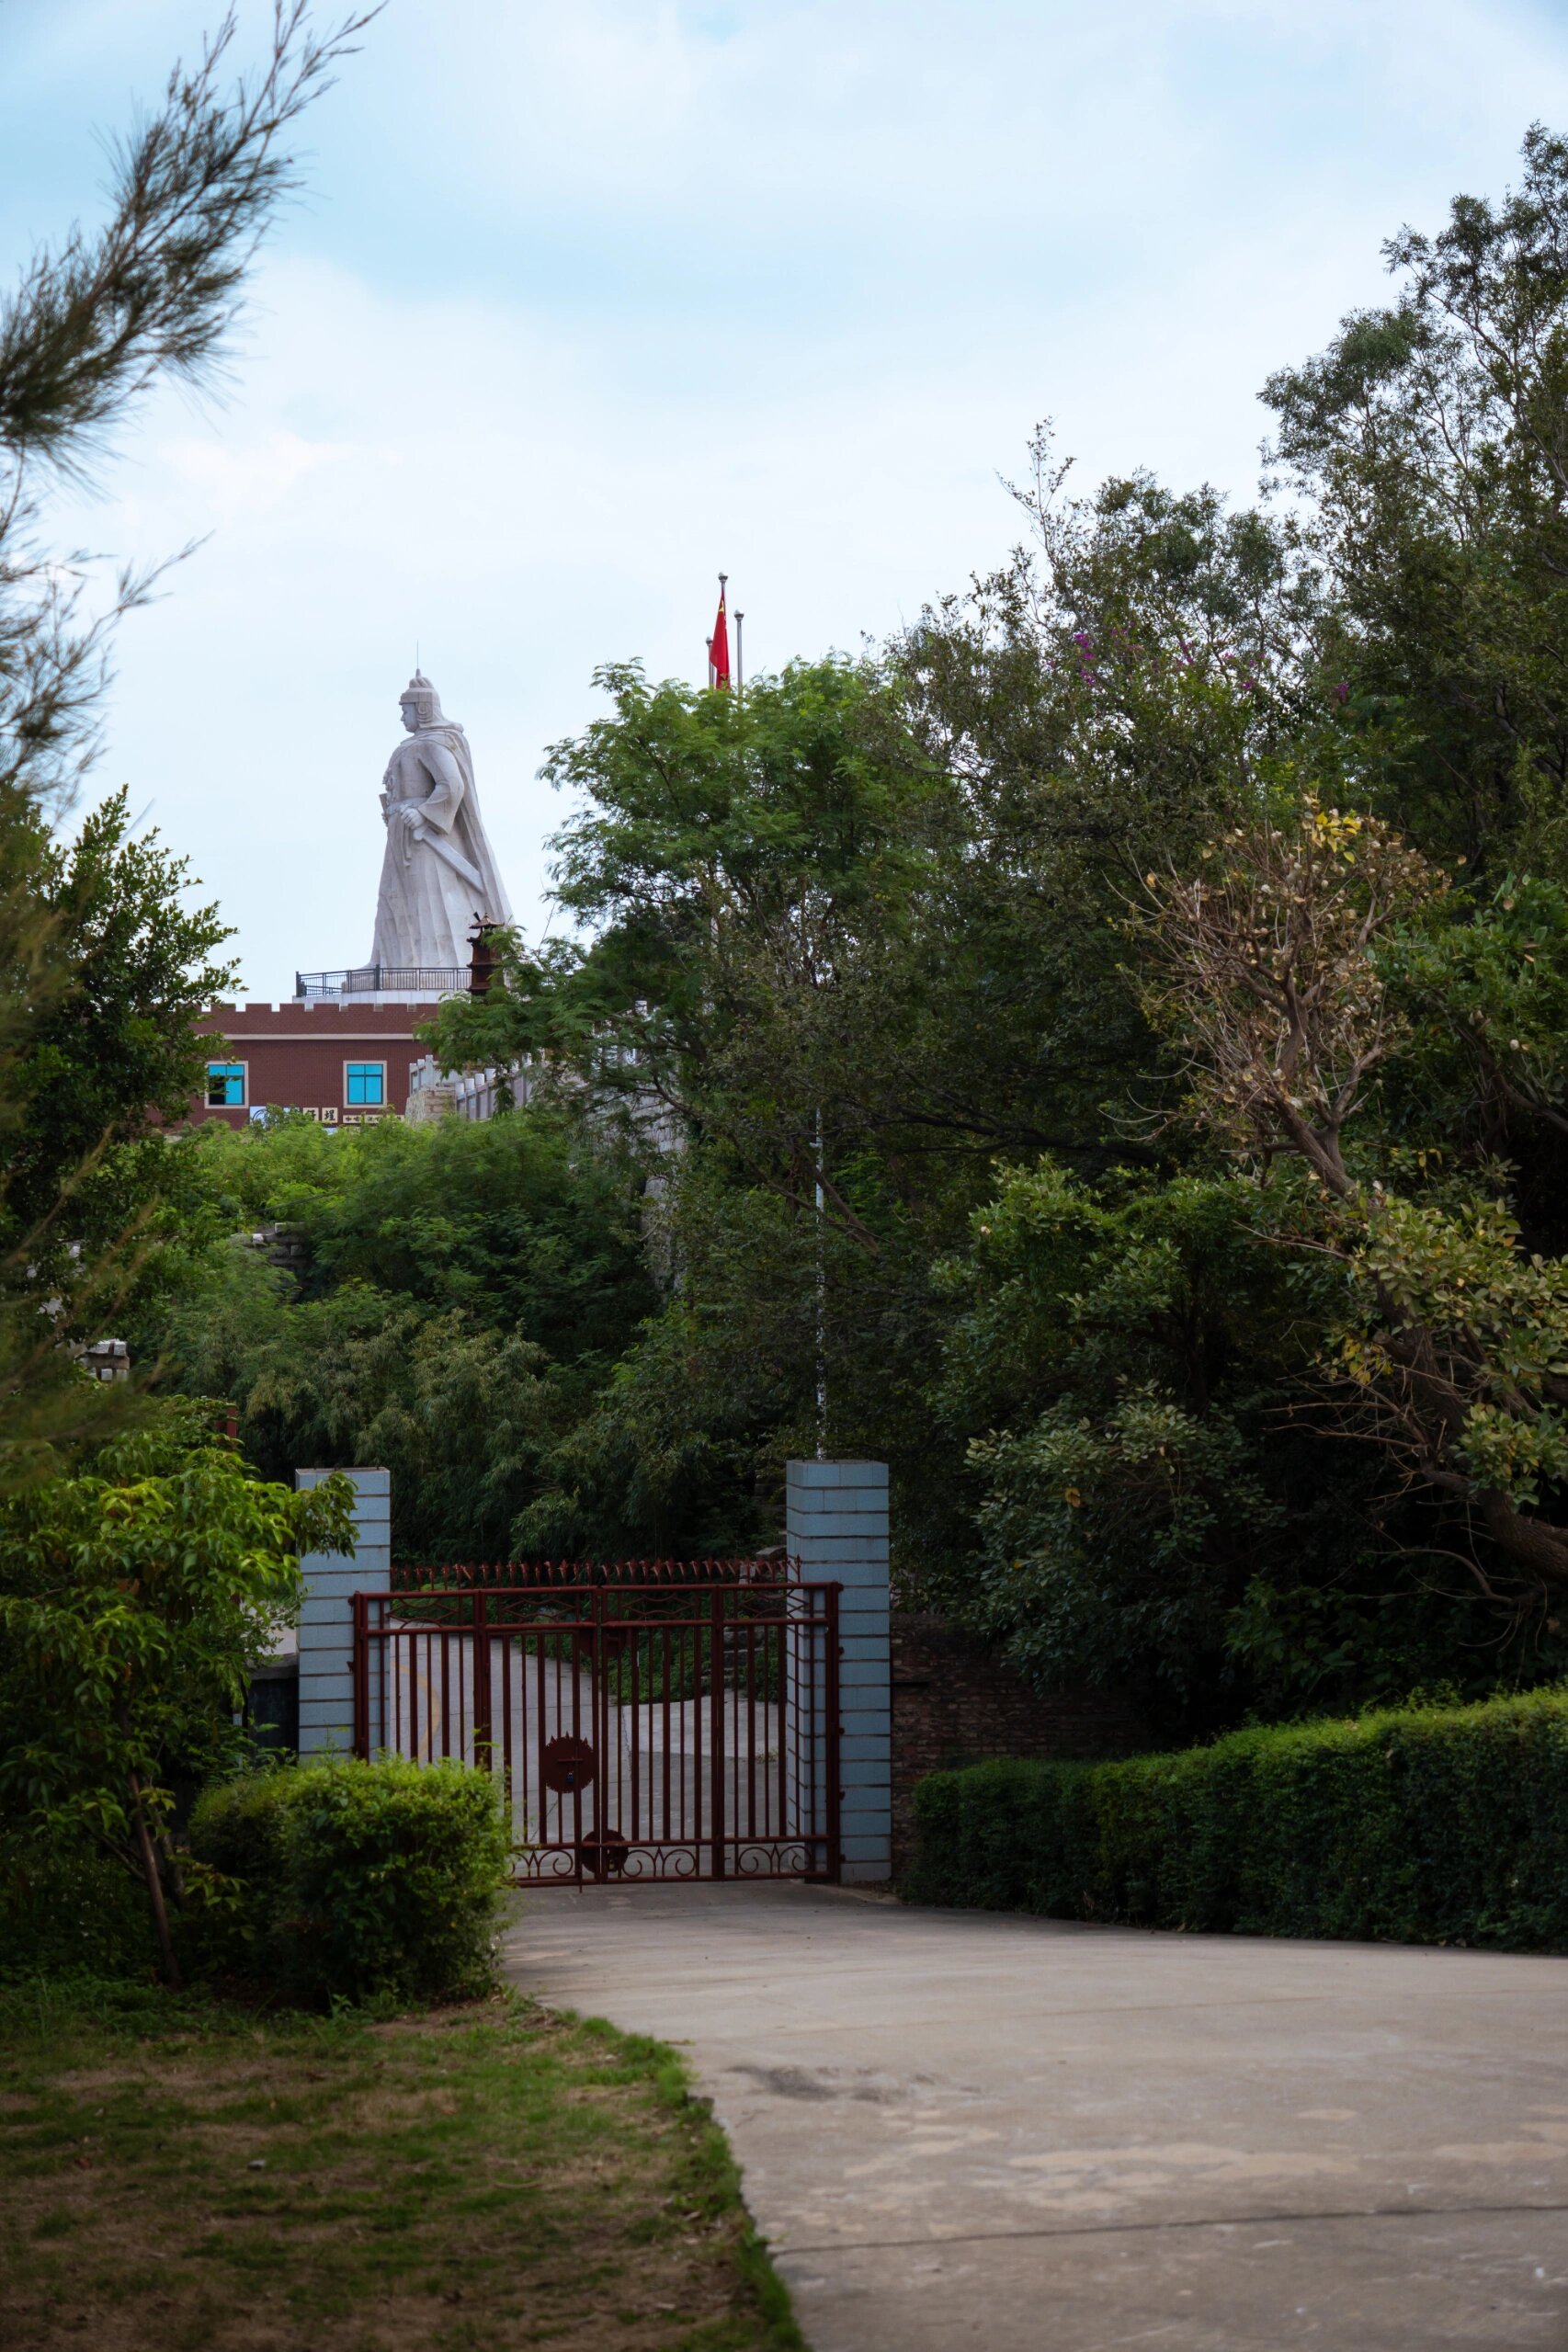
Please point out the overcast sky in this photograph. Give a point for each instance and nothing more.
(590, 300)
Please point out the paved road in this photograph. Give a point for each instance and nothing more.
(962, 2129)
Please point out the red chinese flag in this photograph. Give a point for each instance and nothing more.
(719, 648)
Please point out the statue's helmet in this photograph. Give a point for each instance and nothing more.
(424, 699)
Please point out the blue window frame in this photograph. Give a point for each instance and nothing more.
(364, 1083)
(225, 1085)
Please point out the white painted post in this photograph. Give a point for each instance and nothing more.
(837, 1529)
(326, 1613)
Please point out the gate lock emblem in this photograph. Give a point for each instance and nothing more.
(604, 1852)
(568, 1765)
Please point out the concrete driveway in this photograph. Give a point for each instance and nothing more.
(964, 2129)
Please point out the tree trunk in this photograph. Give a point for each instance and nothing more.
(154, 1888)
(1534, 1544)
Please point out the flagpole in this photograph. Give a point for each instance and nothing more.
(709, 661)
(821, 1302)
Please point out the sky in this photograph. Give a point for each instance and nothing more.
(586, 303)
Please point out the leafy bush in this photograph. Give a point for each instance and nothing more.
(136, 1595)
(68, 1909)
(357, 1879)
(1416, 1825)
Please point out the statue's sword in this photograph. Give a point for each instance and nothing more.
(454, 858)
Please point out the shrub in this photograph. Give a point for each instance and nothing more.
(1416, 1825)
(68, 1909)
(357, 1879)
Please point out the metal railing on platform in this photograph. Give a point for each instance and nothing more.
(377, 979)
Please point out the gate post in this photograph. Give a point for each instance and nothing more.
(326, 1612)
(837, 1529)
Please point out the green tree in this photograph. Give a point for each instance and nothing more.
(462, 1415)
(1486, 999)
(466, 1291)
(1451, 1349)
(744, 1019)
(851, 934)
(113, 1047)
(1431, 440)
(1107, 1356)
(135, 1598)
(87, 331)
(849, 938)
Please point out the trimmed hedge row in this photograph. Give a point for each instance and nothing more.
(356, 1881)
(1420, 1826)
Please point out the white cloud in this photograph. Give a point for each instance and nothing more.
(595, 301)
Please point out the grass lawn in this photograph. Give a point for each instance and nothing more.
(179, 2177)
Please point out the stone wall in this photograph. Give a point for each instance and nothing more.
(465, 1094)
(955, 1702)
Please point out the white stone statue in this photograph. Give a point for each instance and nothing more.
(438, 875)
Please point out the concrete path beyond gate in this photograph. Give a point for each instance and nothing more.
(962, 2129)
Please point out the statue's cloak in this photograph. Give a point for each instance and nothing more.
(428, 901)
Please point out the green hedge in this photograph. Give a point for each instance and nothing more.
(1421, 1826)
(357, 1879)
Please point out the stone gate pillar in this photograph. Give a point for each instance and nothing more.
(326, 1615)
(837, 1529)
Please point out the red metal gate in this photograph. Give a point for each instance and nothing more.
(650, 1721)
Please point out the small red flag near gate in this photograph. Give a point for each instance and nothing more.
(719, 644)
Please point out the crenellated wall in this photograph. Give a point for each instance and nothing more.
(295, 1054)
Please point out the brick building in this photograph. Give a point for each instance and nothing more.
(338, 1060)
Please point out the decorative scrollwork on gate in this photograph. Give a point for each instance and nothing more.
(541, 1865)
(776, 1858)
(663, 1861)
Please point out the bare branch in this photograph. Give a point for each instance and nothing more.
(1263, 966)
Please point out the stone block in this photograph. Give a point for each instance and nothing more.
(806, 1473)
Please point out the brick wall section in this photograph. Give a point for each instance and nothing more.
(295, 1053)
(955, 1702)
